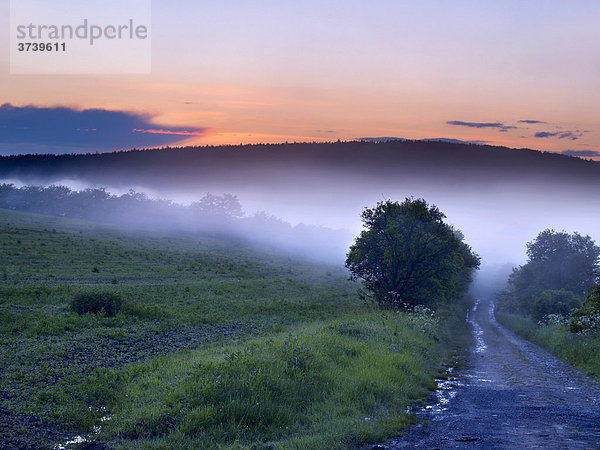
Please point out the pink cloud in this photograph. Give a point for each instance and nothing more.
(172, 132)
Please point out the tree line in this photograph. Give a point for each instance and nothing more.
(213, 215)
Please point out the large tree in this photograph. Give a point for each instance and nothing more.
(407, 255)
(556, 261)
(566, 261)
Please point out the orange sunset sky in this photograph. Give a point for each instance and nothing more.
(514, 73)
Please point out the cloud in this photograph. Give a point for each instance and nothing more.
(170, 132)
(499, 125)
(529, 121)
(571, 135)
(583, 153)
(67, 130)
(475, 124)
(545, 134)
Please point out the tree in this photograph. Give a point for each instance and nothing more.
(407, 255)
(565, 261)
(218, 208)
(556, 261)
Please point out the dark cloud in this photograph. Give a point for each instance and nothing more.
(66, 130)
(475, 124)
(499, 125)
(529, 121)
(545, 134)
(570, 135)
(583, 153)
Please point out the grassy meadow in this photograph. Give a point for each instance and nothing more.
(218, 344)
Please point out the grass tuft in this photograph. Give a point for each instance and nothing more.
(106, 303)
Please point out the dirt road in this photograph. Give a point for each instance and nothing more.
(513, 395)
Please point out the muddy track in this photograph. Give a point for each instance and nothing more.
(513, 395)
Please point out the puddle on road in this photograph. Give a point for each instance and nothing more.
(480, 345)
(491, 313)
(447, 389)
(445, 392)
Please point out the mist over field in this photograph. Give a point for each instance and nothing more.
(499, 198)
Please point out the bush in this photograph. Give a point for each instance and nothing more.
(587, 318)
(96, 302)
(558, 301)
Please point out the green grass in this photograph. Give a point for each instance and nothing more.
(326, 385)
(217, 343)
(580, 350)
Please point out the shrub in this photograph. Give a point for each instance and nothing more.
(95, 302)
(587, 318)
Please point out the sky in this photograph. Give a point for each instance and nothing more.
(514, 73)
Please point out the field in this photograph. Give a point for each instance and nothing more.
(218, 344)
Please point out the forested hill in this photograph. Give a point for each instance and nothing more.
(275, 163)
